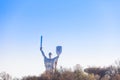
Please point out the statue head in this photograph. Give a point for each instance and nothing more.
(50, 55)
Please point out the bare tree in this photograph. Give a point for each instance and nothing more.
(5, 76)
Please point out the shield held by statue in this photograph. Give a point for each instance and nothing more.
(58, 50)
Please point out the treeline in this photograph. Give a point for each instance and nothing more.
(90, 73)
(63, 74)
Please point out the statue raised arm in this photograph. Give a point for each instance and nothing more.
(42, 52)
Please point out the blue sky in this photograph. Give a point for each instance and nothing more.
(87, 30)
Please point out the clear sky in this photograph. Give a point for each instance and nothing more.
(87, 30)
